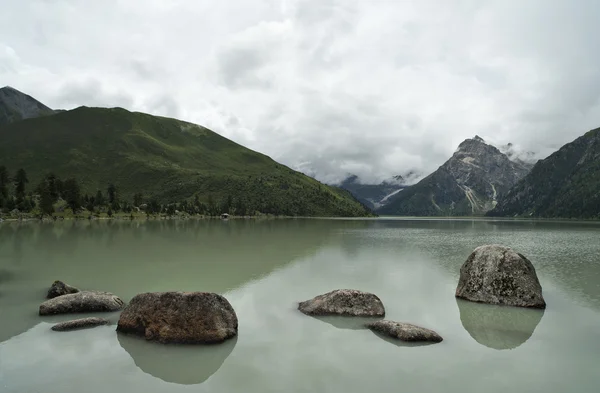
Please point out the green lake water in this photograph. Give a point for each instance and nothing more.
(264, 268)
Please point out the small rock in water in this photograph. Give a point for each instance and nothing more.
(348, 302)
(84, 301)
(80, 324)
(404, 331)
(59, 288)
(180, 317)
(496, 274)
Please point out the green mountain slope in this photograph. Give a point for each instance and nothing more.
(565, 185)
(166, 159)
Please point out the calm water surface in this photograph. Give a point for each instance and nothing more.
(264, 268)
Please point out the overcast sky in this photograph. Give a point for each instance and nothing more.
(329, 87)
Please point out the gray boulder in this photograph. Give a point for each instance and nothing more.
(349, 302)
(180, 317)
(59, 288)
(404, 331)
(84, 301)
(80, 324)
(496, 274)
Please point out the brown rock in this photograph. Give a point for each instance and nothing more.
(180, 317)
(59, 288)
(404, 331)
(84, 301)
(498, 275)
(344, 302)
(80, 324)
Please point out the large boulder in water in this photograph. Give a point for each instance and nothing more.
(59, 288)
(496, 274)
(81, 323)
(404, 331)
(348, 302)
(80, 302)
(180, 317)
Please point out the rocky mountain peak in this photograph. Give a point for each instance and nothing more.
(15, 106)
(470, 182)
(474, 147)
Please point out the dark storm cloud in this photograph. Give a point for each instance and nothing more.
(326, 86)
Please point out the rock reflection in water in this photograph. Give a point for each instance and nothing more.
(347, 322)
(498, 327)
(180, 364)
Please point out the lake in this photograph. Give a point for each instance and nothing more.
(264, 268)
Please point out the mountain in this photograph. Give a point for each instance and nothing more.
(165, 159)
(469, 183)
(15, 106)
(566, 184)
(373, 195)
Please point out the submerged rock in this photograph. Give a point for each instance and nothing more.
(59, 288)
(80, 324)
(344, 302)
(496, 274)
(404, 331)
(84, 301)
(180, 317)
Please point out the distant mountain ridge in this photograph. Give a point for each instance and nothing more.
(376, 195)
(470, 183)
(15, 106)
(566, 184)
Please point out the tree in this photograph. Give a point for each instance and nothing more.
(212, 206)
(90, 204)
(240, 209)
(4, 180)
(171, 209)
(99, 199)
(227, 204)
(25, 205)
(46, 200)
(116, 206)
(53, 186)
(10, 203)
(20, 181)
(138, 199)
(112, 193)
(72, 194)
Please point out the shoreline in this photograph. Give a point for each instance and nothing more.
(139, 217)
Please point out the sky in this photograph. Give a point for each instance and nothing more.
(329, 87)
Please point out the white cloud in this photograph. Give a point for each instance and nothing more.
(328, 86)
